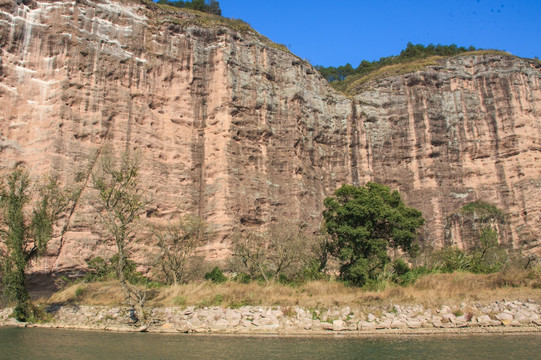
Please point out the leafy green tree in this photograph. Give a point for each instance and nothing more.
(25, 234)
(363, 223)
(196, 5)
(216, 275)
(211, 7)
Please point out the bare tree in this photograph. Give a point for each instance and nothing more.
(177, 244)
(250, 249)
(120, 204)
(282, 250)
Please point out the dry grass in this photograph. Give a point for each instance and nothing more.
(99, 293)
(486, 52)
(431, 291)
(315, 294)
(437, 289)
(353, 84)
(188, 17)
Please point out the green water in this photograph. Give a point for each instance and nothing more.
(20, 343)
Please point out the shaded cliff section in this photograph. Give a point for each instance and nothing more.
(242, 133)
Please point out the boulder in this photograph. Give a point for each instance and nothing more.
(505, 318)
(338, 325)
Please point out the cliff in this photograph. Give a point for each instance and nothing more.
(464, 130)
(241, 132)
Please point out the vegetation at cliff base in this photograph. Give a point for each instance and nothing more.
(284, 252)
(178, 242)
(364, 223)
(120, 203)
(430, 290)
(366, 252)
(25, 230)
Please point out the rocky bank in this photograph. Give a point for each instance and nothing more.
(499, 316)
(242, 133)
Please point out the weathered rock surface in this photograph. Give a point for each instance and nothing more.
(466, 130)
(242, 133)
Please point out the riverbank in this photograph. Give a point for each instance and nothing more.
(497, 317)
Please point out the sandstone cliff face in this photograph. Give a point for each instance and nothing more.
(241, 133)
(467, 130)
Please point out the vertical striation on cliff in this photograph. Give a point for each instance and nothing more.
(468, 129)
(243, 133)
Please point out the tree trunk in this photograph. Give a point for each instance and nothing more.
(23, 310)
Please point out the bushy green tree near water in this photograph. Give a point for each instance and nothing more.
(363, 223)
(25, 230)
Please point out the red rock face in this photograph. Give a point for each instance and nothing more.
(447, 136)
(242, 133)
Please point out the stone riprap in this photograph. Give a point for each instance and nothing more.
(499, 315)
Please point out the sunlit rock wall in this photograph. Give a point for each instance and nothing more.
(242, 133)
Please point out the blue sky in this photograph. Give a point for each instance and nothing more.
(341, 31)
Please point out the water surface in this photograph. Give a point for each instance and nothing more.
(35, 343)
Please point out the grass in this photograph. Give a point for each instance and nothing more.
(431, 291)
(189, 17)
(98, 293)
(354, 83)
(487, 52)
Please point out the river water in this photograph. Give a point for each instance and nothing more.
(35, 343)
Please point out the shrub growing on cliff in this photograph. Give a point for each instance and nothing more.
(363, 223)
(25, 232)
(482, 252)
(489, 257)
(483, 212)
